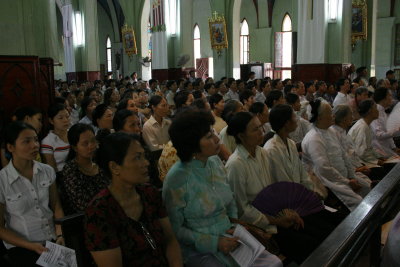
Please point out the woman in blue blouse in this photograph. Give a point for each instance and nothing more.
(198, 199)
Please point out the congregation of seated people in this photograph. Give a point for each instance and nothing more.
(163, 171)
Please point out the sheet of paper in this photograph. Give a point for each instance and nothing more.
(249, 249)
(57, 256)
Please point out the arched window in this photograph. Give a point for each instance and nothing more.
(287, 47)
(109, 61)
(196, 44)
(244, 43)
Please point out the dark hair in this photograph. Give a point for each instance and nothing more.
(340, 83)
(314, 109)
(308, 85)
(128, 93)
(279, 115)
(59, 100)
(154, 101)
(197, 94)
(74, 133)
(230, 81)
(319, 84)
(89, 91)
(389, 72)
(275, 82)
(151, 81)
(98, 112)
(215, 99)
(107, 96)
(218, 84)
(360, 69)
(123, 104)
(113, 147)
(200, 103)
(257, 108)
(291, 98)
(263, 84)
(230, 108)
(380, 94)
(170, 83)
(250, 85)
(13, 130)
(365, 106)
(287, 89)
(238, 124)
(84, 104)
(22, 112)
(77, 92)
(272, 96)
(54, 109)
(245, 95)
(186, 84)
(186, 131)
(120, 117)
(207, 86)
(180, 98)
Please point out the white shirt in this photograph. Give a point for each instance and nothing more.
(284, 162)
(247, 176)
(361, 135)
(52, 144)
(260, 97)
(330, 163)
(347, 144)
(156, 135)
(228, 140)
(341, 99)
(382, 140)
(170, 98)
(393, 120)
(303, 126)
(26, 203)
(231, 95)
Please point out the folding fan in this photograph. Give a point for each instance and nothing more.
(287, 195)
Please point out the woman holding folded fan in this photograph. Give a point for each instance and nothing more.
(198, 199)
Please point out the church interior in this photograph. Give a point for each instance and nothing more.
(199, 133)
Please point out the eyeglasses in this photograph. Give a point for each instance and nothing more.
(148, 237)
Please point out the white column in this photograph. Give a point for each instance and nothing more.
(373, 37)
(68, 39)
(311, 32)
(159, 42)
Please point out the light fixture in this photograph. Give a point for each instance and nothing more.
(333, 10)
(79, 30)
(172, 16)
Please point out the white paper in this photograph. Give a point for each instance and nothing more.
(57, 256)
(249, 249)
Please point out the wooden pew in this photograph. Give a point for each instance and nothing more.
(359, 234)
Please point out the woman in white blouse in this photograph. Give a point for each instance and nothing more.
(28, 198)
(155, 130)
(248, 173)
(55, 146)
(285, 163)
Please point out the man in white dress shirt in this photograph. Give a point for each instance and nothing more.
(329, 161)
(383, 139)
(343, 88)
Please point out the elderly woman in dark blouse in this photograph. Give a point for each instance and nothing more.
(81, 179)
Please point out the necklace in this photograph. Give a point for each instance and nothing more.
(90, 170)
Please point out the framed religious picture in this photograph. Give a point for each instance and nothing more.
(359, 21)
(397, 46)
(218, 35)
(129, 40)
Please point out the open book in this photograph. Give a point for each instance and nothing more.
(249, 249)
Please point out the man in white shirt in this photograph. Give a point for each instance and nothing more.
(383, 139)
(265, 88)
(329, 161)
(232, 93)
(343, 88)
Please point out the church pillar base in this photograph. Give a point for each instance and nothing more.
(325, 72)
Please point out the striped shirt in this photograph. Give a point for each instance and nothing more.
(52, 144)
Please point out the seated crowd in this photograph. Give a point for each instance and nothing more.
(164, 171)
